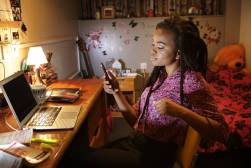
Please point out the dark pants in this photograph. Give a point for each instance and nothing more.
(134, 151)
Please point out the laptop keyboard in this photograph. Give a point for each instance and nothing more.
(45, 116)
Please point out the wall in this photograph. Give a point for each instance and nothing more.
(232, 21)
(130, 39)
(245, 28)
(52, 24)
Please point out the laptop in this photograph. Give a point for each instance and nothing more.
(29, 113)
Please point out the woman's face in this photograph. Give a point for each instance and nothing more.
(163, 48)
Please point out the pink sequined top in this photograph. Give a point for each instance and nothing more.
(166, 128)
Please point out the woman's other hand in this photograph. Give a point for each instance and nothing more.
(111, 86)
(169, 107)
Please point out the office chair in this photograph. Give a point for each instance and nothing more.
(186, 155)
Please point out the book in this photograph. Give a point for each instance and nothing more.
(22, 136)
(69, 95)
(10, 161)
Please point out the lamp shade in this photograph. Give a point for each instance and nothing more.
(36, 56)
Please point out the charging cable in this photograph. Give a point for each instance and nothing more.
(7, 123)
(3, 69)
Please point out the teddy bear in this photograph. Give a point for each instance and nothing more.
(229, 57)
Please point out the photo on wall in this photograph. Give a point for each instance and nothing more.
(15, 3)
(5, 35)
(16, 10)
(15, 38)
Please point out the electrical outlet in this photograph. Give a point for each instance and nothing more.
(143, 65)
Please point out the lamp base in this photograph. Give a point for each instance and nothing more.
(39, 91)
(36, 79)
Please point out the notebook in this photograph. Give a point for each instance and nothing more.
(29, 113)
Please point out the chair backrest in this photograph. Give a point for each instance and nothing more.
(186, 154)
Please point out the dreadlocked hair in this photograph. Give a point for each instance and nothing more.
(158, 72)
(192, 50)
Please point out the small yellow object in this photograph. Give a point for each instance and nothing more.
(46, 147)
(45, 140)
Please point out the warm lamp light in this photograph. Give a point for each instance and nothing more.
(36, 57)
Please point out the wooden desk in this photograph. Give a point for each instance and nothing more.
(131, 87)
(93, 106)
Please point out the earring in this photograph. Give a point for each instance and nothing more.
(177, 55)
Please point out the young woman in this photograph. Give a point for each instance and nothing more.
(175, 96)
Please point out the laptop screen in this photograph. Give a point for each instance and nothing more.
(20, 96)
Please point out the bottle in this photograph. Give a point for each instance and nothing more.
(97, 15)
(117, 66)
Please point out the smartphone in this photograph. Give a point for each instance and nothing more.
(107, 76)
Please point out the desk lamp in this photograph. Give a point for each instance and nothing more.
(36, 57)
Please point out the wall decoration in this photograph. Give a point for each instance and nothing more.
(136, 38)
(16, 10)
(104, 52)
(133, 23)
(213, 36)
(108, 12)
(15, 36)
(114, 24)
(127, 41)
(5, 35)
(15, 3)
(93, 39)
(210, 34)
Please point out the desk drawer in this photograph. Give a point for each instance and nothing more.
(126, 84)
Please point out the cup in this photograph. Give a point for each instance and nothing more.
(39, 92)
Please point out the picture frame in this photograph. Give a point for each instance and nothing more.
(16, 12)
(5, 35)
(108, 12)
(15, 37)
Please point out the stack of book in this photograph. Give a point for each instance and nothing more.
(69, 95)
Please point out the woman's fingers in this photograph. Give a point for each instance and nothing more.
(108, 87)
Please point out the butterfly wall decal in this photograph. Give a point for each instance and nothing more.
(104, 52)
(133, 23)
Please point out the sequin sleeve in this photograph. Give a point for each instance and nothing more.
(201, 101)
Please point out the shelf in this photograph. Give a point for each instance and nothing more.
(151, 8)
(4, 43)
(153, 17)
(10, 24)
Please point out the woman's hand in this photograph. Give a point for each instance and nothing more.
(169, 107)
(108, 84)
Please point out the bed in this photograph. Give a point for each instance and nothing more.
(232, 92)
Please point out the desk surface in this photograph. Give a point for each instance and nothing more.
(91, 90)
